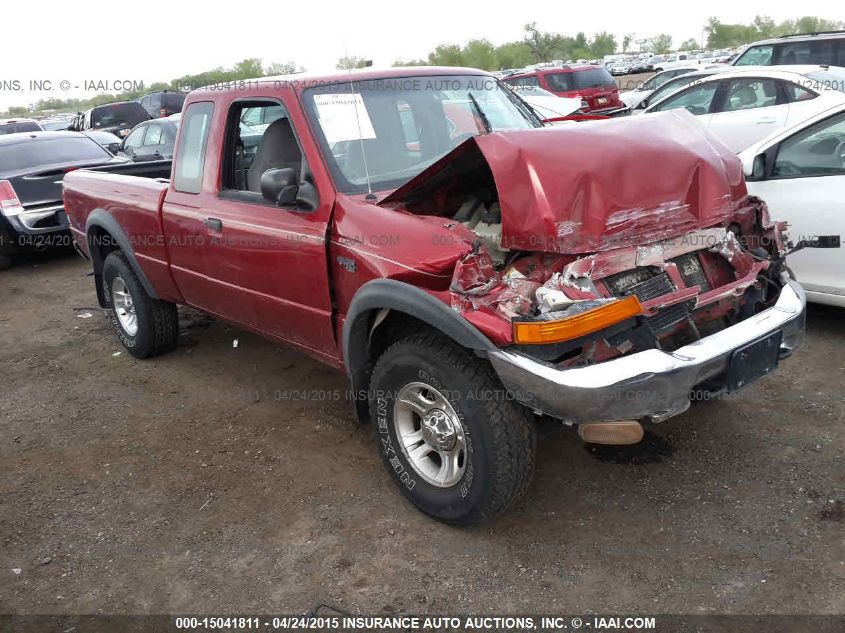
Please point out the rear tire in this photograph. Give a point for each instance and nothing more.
(146, 326)
(5, 262)
(426, 392)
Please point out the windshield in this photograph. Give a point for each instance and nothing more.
(391, 129)
(661, 78)
(118, 114)
(673, 85)
(832, 78)
(46, 151)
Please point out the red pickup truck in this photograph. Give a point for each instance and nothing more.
(470, 272)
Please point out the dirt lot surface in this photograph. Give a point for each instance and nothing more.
(190, 484)
(632, 82)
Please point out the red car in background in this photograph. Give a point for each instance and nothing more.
(591, 83)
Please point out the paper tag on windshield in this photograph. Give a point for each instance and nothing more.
(344, 117)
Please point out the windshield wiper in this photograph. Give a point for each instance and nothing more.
(484, 120)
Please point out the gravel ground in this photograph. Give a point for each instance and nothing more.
(189, 483)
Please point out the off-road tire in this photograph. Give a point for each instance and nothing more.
(157, 321)
(500, 434)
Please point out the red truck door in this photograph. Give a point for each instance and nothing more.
(234, 253)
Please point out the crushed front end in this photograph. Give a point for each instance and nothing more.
(618, 280)
(635, 333)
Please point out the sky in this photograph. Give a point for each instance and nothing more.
(124, 42)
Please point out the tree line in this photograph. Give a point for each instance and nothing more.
(537, 46)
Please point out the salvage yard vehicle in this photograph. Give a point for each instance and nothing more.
(632, 98)
(150, 140)
(744, 105)
(800, 169)
(673, 61)
(591, 83)
(32, 165)
(118, 118)
(468, 283)
(801, 48)
(164, 103)
(685, 79)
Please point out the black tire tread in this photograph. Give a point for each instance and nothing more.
(163, 315)
(510, 424)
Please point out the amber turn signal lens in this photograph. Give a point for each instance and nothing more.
(540, 332)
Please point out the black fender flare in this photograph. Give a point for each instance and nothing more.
(99, 218)
(390, 294)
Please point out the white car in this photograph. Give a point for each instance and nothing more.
(632, 98)
(548, 105)
(743, 106)
(674, 61)
(800, 173)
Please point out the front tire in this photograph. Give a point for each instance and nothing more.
(451, 439)
(146, 326)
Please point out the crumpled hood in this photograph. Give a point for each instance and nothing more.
(594, 186)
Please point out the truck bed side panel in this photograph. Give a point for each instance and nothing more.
(135, 203)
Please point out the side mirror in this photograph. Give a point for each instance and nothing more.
(280, 186)
(114, 148)
(762, 165)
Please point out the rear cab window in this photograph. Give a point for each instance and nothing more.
(190, 159)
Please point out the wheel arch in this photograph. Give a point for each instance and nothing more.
(383, 309)
(104, 235)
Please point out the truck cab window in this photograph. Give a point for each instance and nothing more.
(188, 167)
(260, 137)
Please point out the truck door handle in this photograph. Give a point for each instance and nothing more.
(213, 223)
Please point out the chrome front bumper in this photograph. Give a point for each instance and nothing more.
(652, 384)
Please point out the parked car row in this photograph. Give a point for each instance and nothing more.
(742, 105)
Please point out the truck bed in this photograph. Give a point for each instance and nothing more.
(132, 195)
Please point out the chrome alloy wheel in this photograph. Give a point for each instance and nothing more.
(430, 434)
(124, 306)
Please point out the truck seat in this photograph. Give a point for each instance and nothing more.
(276, 150)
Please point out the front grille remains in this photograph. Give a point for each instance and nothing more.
(692, 272)
(647, 289)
